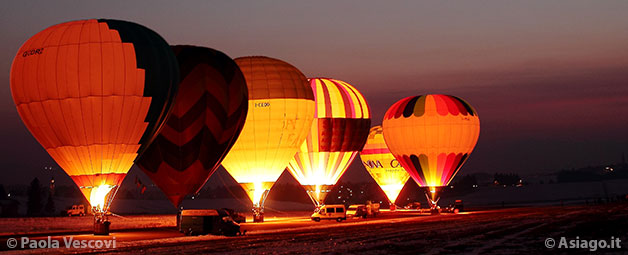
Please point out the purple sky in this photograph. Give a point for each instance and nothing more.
(548, 79)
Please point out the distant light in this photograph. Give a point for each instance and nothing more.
(9, 195)
(452, 186)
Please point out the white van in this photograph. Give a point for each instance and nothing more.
(330, 212)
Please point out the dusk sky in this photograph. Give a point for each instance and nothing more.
(549, 79)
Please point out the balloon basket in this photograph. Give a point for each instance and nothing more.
(101, 228)
(433, 195)
(258, 218)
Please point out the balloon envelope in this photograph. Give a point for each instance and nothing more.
(431, 136)
(280, 113)
(206, 118)
(382, 165)
(93, 93)
(339, 131)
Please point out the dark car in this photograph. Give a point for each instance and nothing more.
(458, 206)
(237, 217)
(202, 222)
(413, 205)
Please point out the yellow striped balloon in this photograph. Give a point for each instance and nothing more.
(339, 131)
(382, 165)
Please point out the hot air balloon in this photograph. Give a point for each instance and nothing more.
(93, 93)
(280, 114)
(383, 166)
(431, 136)
(207, 117)
(339, 131)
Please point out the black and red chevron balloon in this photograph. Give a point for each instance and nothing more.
(205, 121)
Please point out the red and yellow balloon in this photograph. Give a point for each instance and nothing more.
(431, 136)
(94, 93)
(339, 131)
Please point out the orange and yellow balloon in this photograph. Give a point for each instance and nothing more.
(431, 136)
(339, 131)
(382, 165)
(280, 114)
(94, 93)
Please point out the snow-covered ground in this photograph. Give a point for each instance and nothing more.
(34, 225)
(505, 231)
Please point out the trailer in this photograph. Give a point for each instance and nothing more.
(363, 210)
(207, 221)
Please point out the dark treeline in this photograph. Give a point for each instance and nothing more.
(593, 173)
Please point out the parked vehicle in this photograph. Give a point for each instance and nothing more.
(413, 205)
(458, 206)
(330, 212)
(237, 217)
(76, 210)
(202, 222)
(363, 210)
(356, 211)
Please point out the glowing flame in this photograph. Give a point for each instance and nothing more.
(258, 191)
(318, 193)
(98, 196)
(392, 191)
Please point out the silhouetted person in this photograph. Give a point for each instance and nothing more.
(34, 198)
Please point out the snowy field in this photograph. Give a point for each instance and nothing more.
(504, 231)
(510, 231)
(20, 226)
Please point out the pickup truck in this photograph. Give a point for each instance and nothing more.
(76, 210)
